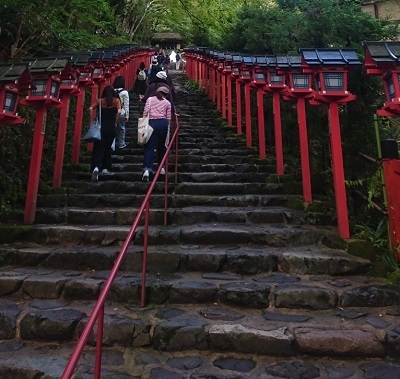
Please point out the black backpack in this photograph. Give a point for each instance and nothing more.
(116, 94)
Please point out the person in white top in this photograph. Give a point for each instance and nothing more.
(158, 108)
(123, 95)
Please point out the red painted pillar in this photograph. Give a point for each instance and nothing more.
(218, 74)
(76, 143)
(278, 134)
(205, 77)
(238, 107)
(304, 154)
(212, 85)
(34, 168)
(229, 99)
(391, 172)
(223, 95)
(261, 123)
(338, 171)
(247, 99)
(61, 138)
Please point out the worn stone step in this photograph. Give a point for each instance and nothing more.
(175, 216)
(110, 200)
(351, 333)
(48, 361)
(264, 291)
(169, 259)
(277, 235)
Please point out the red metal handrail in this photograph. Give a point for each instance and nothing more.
(98, 310)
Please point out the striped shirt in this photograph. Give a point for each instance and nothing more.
(158, 108)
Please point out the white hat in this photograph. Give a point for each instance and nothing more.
(161, 75)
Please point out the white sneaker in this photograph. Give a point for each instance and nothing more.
(106, 172)
(95, 174)
(146, 176)
(162, 172)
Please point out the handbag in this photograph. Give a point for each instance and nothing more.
(94, 132)
(144, 129)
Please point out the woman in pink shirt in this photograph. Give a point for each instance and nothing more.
(158, 108)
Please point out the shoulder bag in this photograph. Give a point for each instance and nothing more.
(144, 129)
(94, 132)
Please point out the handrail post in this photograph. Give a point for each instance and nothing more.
(99, 343)
(166, 195)
(144, 262)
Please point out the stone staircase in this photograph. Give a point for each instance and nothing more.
(239, 284)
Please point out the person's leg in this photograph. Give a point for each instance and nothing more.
(109, 135)
(120, 138)
(97, 153)
(149, 147)
(162, 131)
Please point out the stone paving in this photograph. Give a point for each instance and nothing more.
(238, 285)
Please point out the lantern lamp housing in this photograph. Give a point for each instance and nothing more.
(228, 63)
(391, 84)
(236, 65)
(246, 69)
(10, 100)
(221, 60)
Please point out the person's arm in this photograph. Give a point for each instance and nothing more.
(146, 110)
(168, 112)
(125, 100)
(117, 104)
(94, 106)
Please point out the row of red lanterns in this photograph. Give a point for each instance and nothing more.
(50, 83)
(317, 75)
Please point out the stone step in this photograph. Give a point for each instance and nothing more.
(276, 235)
(41, 360)
(110, 200)
(176, 216)
(170, 259)
(136, 165)
(346, 333)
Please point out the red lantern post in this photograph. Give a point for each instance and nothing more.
(245, 78)
(46, 78)
(68, 88)
(300, 89)
(211, 75)
(330, 68)
(227, 72)
(276, 85)
(236, 66)
(258, 82)
(383, 59)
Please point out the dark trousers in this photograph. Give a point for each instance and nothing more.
(101, 154)
(156, 142)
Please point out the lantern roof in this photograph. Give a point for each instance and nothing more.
(228, 57)
(288, 61)
(248, 60)
(261, 60)
(15, 73)
(49, 65)
(96, 56)
(381, 54)
(330, 57)
(237, 58)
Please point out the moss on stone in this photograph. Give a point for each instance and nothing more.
(295, 203)
(11, 233)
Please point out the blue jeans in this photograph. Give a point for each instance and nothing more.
(120, 133)
(156, 142)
